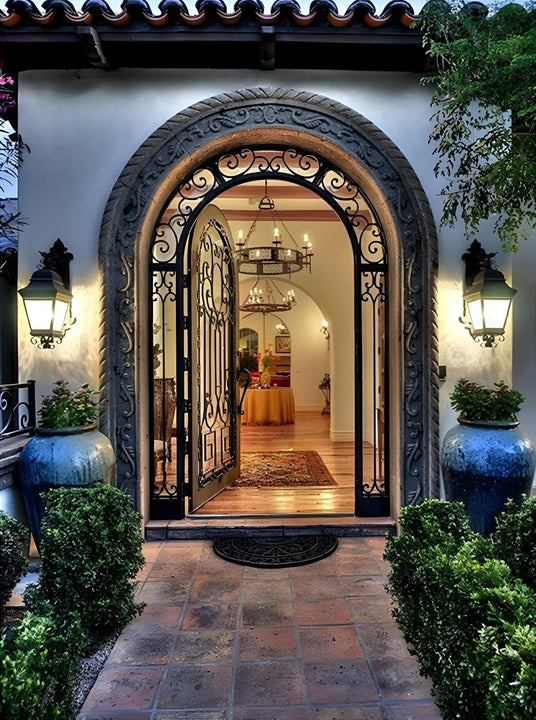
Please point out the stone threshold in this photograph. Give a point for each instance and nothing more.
(206, 528)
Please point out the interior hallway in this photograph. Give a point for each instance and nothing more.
(310, 431)
(218, 641)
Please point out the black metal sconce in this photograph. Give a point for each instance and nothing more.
(47, 298)
(487, 297)
(324, 328)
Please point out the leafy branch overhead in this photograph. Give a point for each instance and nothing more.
(485, 121)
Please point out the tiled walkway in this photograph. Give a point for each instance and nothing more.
(218, 641)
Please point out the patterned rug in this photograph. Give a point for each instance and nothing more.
(289, 468)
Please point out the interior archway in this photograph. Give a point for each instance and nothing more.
(360, 150)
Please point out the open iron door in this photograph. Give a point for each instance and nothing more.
(214, 368)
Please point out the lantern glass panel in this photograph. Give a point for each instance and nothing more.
(495, 312)
(475, 311)
(60, 312)
(39, 314)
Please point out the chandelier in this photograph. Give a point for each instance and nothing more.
(274, 259)
(269, 300)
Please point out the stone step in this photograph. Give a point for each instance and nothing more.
(207, 528)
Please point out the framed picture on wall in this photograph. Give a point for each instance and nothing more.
(282, 343)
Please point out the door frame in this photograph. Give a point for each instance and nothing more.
(329, 129)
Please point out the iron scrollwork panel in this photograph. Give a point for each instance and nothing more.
(164, 390)
(375, 480)
(217, 445)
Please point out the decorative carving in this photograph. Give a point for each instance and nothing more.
(325, 123)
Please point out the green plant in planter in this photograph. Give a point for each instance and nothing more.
(68, 408)
(476, 402)
(14, 538)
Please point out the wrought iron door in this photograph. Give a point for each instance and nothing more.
(215, 430)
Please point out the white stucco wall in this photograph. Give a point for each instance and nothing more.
(83, 127)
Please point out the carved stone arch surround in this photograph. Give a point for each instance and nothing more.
(360, 149)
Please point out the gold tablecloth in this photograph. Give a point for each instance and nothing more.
(274, 406)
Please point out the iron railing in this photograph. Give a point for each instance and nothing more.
(17, 409)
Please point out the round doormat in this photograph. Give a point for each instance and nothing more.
(275, 552)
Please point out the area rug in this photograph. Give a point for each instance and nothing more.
(290, 468)
(275, 552)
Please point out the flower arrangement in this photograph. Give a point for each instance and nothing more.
(68, 408)
(475, 402)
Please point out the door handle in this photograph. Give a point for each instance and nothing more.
(242, 376)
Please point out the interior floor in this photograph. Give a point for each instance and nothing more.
(310, 431)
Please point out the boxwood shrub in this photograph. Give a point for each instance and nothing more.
(91, 553)
(466, 616)
(38, 669)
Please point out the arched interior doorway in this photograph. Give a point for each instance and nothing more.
(194, 451)
(340, 139)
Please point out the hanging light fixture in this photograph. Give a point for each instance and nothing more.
(274, 259)
(265, 297)
(487, 297)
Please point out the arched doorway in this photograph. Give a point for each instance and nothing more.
(323, 140)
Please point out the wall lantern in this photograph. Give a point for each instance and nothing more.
(47, 298)
(487, 297)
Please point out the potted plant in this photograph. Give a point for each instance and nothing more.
(67, 449)
(486, 459)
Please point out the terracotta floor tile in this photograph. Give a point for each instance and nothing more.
(339, 681)
(172, 571)
(192, 715)
(347, 713)
(141, 648)
(259, 615)
(339, 641)
(203, 646)
(268, 643)
(318, 588)
(219, 641)
(413, 711)
(319, 612)
(189, 685)
(371, 608)
(269, 684)
(156, 617)
(384, 639)
(366, 585)
(400, 680)
(150, 550)
(295, 712)
(130, 688)
(267, 590)
(217, 616)
(215, 587)
(162, 592)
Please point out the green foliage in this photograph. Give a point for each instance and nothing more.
(514, 540)
(14, 540)
(468, 620)
(475, 402)
(485, 85)
(38, 669)
(68, 408)
(91, 552)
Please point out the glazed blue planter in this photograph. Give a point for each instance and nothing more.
(484, 464)
(62, 457)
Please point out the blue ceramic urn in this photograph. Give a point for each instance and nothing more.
(62, 457)
(485, 463)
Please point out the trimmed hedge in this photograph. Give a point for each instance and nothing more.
(467, 618)
(90, 552)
